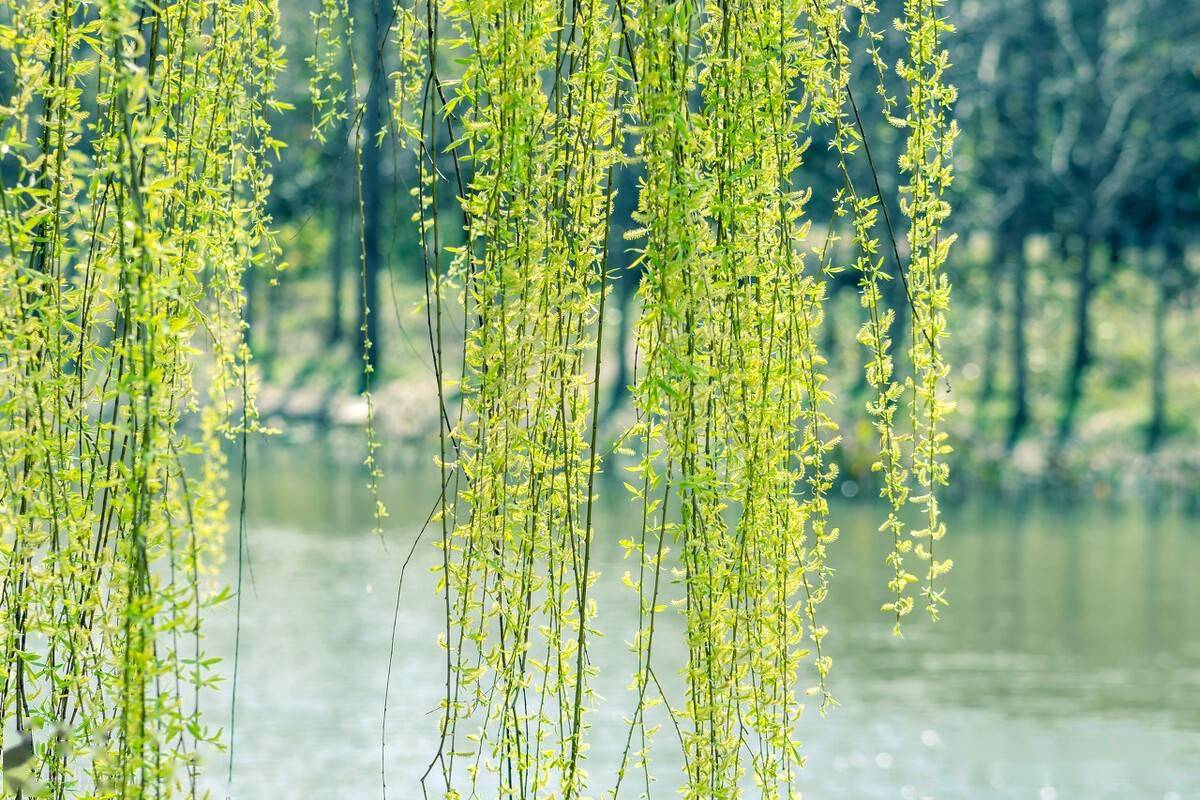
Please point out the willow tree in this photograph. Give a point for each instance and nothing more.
(733, 447)
(133, 145)
(133, 187)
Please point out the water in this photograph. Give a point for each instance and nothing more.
(1068, 665)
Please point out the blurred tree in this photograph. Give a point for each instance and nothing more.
(1074, 113)
(341, 189)
(625, 274)
(1005, 191)
(1168, 211)
(1113, 59)
(1076, 118)
(380, 14)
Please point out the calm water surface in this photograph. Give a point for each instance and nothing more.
(1068, 665)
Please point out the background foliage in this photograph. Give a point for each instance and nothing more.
(1071, 112)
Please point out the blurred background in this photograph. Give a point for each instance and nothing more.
(1068, 665)
(1076, 201)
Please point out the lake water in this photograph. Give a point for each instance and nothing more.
(1067, 666)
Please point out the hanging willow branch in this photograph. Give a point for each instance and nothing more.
(537, 102)
(926, 160)
(132, 160)
(131, 153)
(734, 418)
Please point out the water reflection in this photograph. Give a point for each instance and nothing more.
(1068, 665)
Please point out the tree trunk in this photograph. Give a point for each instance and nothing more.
(250, 306)
(369, 349)
(625, 290)
(1156, 431)
(991, 346)
(1081, 355)
(344, 249)
(337, 259)
(1019, 350)
(897, 297)
(275, 303)
(625, 280)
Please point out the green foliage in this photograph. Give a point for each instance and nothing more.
(333, 33)
(733, 428)
(926, 161)
(517, 538)
(731, 398)
(133, 156)
(134, 202)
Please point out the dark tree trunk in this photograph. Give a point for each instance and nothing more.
(1081, 354)
(1026, 216)
(344, 248)
(897, 297)
(369, 346)
(625, 290)
(991, 346)
(338, 253)
(1158, 370)
(829, 338)
(625, 280)
(1157, 429)
(275, 303)
(250, 305)
(1018, 349)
